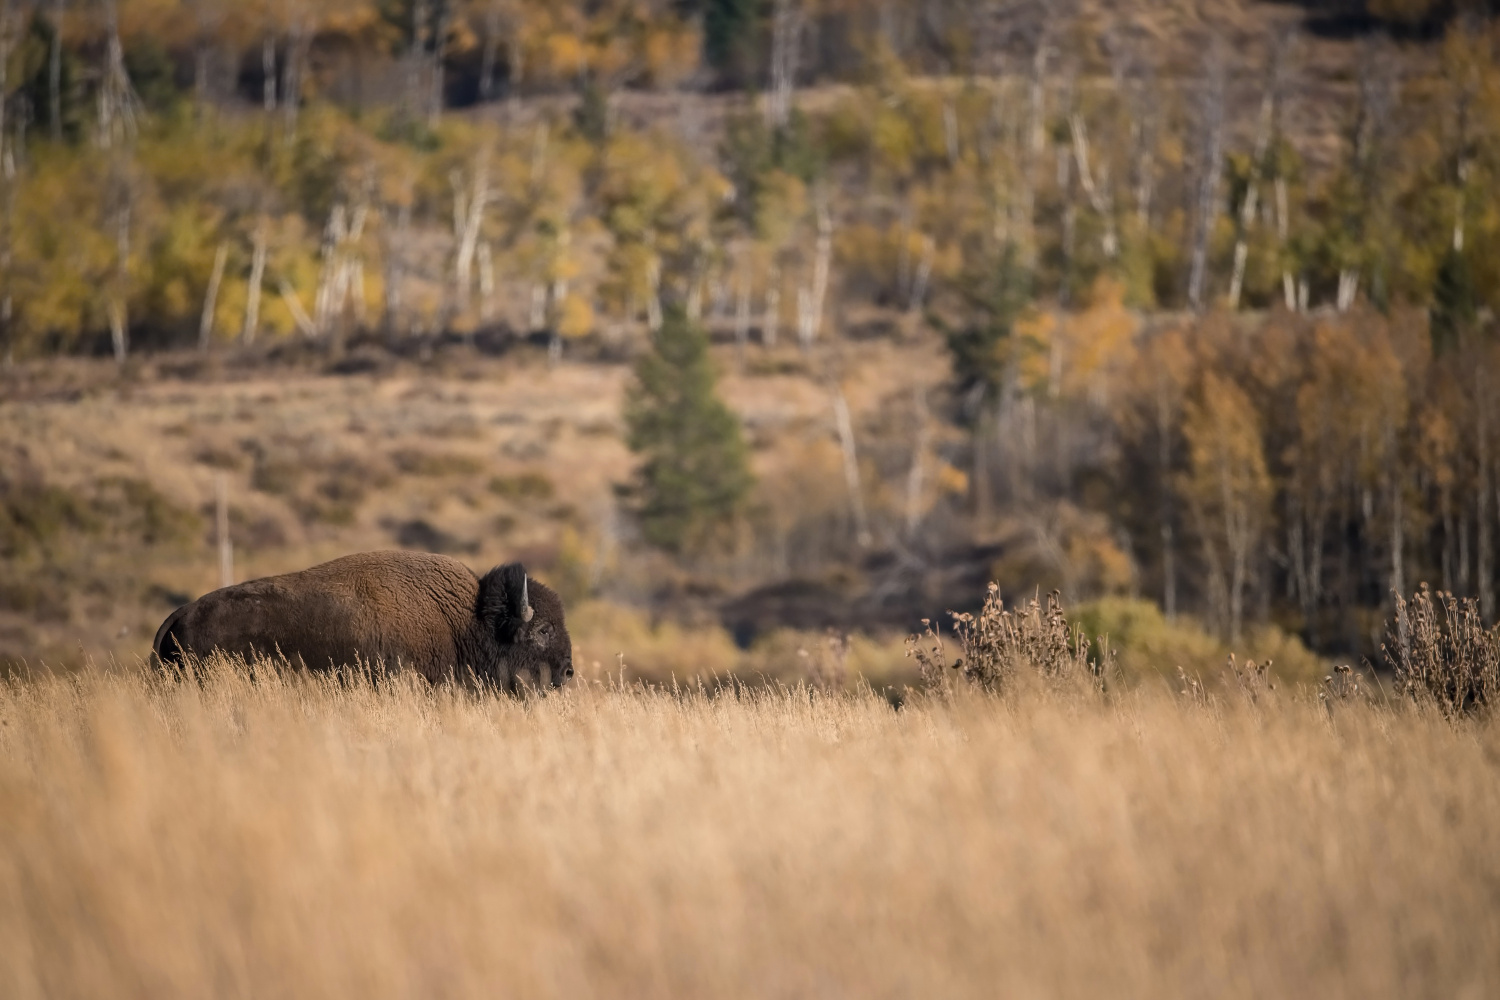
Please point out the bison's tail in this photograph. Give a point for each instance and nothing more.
(168, 644)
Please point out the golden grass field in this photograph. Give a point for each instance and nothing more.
(302, 836)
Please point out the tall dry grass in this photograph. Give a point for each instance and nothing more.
(314, 838)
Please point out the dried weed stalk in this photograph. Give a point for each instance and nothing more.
(1441, 652)
(827, 666)
(1193, 688)
(1342, 687)
(1252, 680)
(997, 644)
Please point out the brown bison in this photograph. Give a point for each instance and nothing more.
(401, 610)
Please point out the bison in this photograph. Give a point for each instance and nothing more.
(401, 610)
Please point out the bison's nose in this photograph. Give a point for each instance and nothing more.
(568, 671)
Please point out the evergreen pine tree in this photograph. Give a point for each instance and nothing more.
(731, 32)
(995, 294)
(694, 475)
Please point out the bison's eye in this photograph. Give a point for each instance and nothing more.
(541, 634)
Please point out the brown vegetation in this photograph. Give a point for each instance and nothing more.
(1443, 654)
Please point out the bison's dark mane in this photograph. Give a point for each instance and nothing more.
(500, 596)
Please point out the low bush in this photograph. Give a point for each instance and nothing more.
(525, 486)
(1442, 653)
(415, 462)
(997, 645)
(1146, 643)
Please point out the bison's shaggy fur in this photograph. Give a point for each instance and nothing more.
(398, 610)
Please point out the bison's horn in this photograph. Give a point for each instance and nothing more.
(526, 611)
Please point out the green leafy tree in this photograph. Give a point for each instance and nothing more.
(694, 475)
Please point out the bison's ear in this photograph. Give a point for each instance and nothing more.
(504, 600)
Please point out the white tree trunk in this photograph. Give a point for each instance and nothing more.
(950, 130)
(1283, 226)
(653, 294)
(330, 275)
(118, 105)
(352, 269)
(770, 325)
(119, 324)
(1208, 183)
(1248, 204)
(257, 278)
(119, 334)
(1459, 207)
(693, 307)
(810, 300)
(924, 275)
(294, 306)
(1144, 168)
(211, 298)
(538, 317)
(1348, 289)
(486, 284)
(1101, 198)
(787, 17)
(395, 265)
(468, 219)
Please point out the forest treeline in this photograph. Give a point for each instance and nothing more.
(180, 170)
(1219, 294)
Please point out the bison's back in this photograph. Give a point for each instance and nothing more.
(407, 608)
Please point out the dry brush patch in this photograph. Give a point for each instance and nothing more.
(317, 837)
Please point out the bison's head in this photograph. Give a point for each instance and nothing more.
(526, 619)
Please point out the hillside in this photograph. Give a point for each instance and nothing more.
(111, 478)
(1179, 303)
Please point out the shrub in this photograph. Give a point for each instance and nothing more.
(997, 645)
(276, 476)
(526, 486)
(32, 513)
(415, 462)
(1442, 653)
(1146, 643)
(139, 511)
